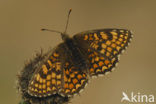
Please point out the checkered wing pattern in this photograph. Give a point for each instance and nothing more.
(57, 75)
(47, 80)
(103, 47)
(74, 80)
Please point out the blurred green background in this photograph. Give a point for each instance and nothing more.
(20, 38)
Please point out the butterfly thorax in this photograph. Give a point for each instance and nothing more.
(76, 54)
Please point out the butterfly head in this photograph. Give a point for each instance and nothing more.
(64, 36)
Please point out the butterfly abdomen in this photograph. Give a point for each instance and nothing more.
(76, 54)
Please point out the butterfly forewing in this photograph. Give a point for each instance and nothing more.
(57, 74)
(103, 47)
(47, 80)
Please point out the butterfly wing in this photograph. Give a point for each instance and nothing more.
(47, 78)
(57, 74)
(74, 79)
(103, 47)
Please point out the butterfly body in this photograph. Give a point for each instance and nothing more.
(76, 54)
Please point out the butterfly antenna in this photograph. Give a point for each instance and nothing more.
(51, 30)
(67, 20)
(65, 27)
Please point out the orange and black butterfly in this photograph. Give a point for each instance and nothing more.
(65, 70)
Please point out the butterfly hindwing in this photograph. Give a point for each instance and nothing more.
(73, 79)
(99, 64)
(103, 47)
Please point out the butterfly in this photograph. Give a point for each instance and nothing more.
(67, 68)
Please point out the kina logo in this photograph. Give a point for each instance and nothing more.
(138, 97)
